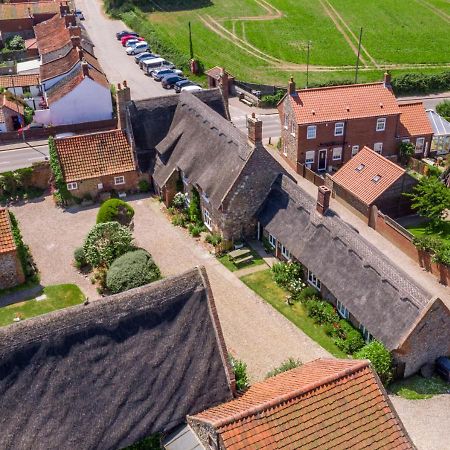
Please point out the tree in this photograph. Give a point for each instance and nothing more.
(431, 198)
(106, 242)
(115, 210)
(443, 109)
(16, 43)
(380, 357)
(131, 270)
(406, 151)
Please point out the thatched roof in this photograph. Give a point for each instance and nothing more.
(149, 121)
(378, 293)
(105, 375)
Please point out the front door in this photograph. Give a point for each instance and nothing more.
(322, 164)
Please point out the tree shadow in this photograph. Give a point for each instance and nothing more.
(171, 5)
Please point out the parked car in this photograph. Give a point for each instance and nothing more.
(159, 74)
(443, 367)
(169, 81)
(194, 88)
(181, 84)
(149, 64)
(140, 47)
(127, 39)
(121, 34)
(79, 14)
(143, 55)
(143, 60)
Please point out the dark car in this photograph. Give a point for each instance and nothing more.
(443, 367)
(159, 74)
(123, 33)
(169, 81)
(182, 84)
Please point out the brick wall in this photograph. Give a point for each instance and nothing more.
(11, 273)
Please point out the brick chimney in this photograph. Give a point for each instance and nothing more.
(76, 41)
(123, 96)
(80, 53)
(323, 199)
(254, 127)
(85, 68)
(291, 86)
(223, 83)
(387, 80)
(63, 9)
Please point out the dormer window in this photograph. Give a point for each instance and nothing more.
(311, 132)
(360, 168)
(339, 129)
(381, 124)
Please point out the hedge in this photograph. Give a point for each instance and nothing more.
(115, 210)
(62, 194)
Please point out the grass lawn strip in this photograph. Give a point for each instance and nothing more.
(225, 260)
(58, 297)
(263, 284)
(422, 230)
(419, 388)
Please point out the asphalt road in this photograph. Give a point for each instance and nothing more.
(23, 154)
(271, 125)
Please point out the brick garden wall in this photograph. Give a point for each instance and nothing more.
(11, 273)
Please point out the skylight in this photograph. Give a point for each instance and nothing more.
(360, 168)
(376, 178)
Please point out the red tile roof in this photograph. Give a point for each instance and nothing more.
(53, 34)
(6, 103)
(8, 81)
(10, 11)
(326, 403)
(343, 102)
(7, 243)
(361, 183)
(93, 155)
(414, 120)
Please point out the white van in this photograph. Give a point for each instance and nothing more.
(148, 66)
(191, 89)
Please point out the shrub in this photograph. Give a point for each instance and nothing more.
(179, 201)
(79, 257)
(196, 230)
(308, 293)
(115, 210)
(143, 185)
(351, 343)
(240, 373)
(15, 43)
(380, 357)
(414, 83)
(290, 363)
(195, 212)
(270, 101)
(321, 312)
(286, 273)
(131, 270)
(443, 109)
(214, 239)
(106, 242)
(179, 220)
(62, 194)
(28, 115)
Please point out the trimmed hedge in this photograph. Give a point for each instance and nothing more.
(421, 83)
(115, 210)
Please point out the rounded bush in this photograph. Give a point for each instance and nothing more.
(115, 210)
(79, 257)
(380, 357)
(131, 270)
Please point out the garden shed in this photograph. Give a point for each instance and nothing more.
(440, 144)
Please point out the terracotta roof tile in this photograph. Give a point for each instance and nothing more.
(362, 183)
(343, 102)
(19, 80)
(414, 120)
(6, 103)
(7, 243)
(93, 155)
(326, 403)
(10, 11)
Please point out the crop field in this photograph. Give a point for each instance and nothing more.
(266, 40)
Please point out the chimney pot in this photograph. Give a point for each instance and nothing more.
(387, 79)
(85, 68)
(125, 83)
(323, 199)
(291, 86)
(119, 86)
(254, 126)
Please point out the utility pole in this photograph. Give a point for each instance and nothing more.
(307, 64)
(357, 58)
(191, 48)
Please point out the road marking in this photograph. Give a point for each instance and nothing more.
(5, 162)
(38, 157)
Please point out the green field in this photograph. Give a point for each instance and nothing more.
(266, 40)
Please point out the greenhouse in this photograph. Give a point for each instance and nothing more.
(441, 129)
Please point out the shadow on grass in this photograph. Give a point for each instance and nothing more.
(167, 5)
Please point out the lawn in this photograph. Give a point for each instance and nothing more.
(263, 284)
(225, 260)
(419, 388)
(58, 297)
(225, 33)
(422, 230)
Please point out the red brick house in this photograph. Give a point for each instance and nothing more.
(11, 114)
(324, 404)
(323, 128)
(96, 163)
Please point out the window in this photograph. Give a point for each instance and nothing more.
(293, 128)
(367, 336)
(205, 197)
(381, 124)
(342, 310)
(376, 178)
(285, 252)
(207, 219)
(360, 168)
(285, 148)
(311, 132)
(378, 147)
(355, 150)
(337, 153)
(309, 158)
(420, 143)
(119, 180)
(312, 279)
(72, 186)
(286, 121)
(26, 90)
(100, 186)
(406, 141)
(339, 129)
(272, 241)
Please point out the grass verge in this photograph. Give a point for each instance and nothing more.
(58, 297)
(263, 284)
(423, 230)
(419, 388)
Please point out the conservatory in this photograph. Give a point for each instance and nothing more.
(441, 129)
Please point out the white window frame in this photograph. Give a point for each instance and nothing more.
(293, 128)
(365, 332)
(339, 156)
(285, 152)
(311, 132)
(207, 219)
(272, 241)
(117, 181)
(100, 186)
(314, 281)
(339, 129)
(342, 310)
(286, 121)
(381, 124)
(380, 146)
(406, 141)
(310, 160)
(285, 252)
(419, 148)
(355, 150)
(72, 186)
(205, 197)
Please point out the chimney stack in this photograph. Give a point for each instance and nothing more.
(323, 199)
(76, 41)
(123, 96)
(291, 86)
(254, 127)
(387, 80)
(80, 53)
(85, 68)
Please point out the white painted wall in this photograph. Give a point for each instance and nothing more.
(2, 127)
(52, 81)
(42, 116)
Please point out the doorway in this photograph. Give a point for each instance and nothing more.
(322, 163)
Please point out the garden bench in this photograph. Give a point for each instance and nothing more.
(244, 260)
